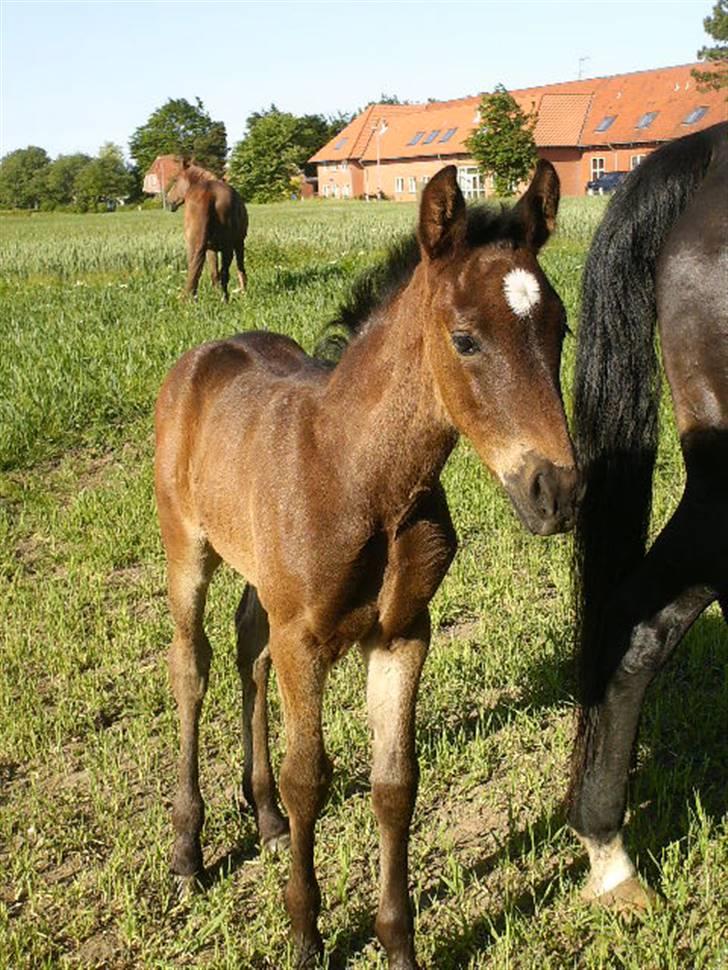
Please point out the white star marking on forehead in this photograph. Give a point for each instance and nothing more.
(522, 291)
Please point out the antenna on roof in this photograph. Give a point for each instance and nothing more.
(581, 66)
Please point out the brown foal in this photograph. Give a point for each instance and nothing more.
(216, 221)
(321, 487)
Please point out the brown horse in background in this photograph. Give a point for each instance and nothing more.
(216, 221)
(322, 488)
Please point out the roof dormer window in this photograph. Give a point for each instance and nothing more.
(646, 119)
(695, 115)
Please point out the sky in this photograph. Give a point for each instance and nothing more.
(74, 75)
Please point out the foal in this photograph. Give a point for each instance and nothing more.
(321, 487)
(216, 221)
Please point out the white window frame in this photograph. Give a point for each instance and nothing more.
(399, 185)
(411, 184)
(598, 167)
(636, 160)
(471, 182)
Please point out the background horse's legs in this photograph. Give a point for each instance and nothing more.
(196, 252)
(212, 266)
(240, 261)
(305, 778)
(648, 617)
(191, 563)
(393, 675)
(226, 257)
(251, 622)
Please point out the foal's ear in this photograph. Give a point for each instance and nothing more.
(442, 214)
(538, 207)
(186, 161)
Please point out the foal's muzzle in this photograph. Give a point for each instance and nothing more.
(545, 496)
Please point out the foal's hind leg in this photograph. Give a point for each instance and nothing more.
(251, 622)
(305, 778)
(393, 675)
(191, 563)
(651, 613)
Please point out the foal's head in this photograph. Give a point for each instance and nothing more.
(493, 337)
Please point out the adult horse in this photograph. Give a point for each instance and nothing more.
(216, 221)
(321, 487)
(660, 254)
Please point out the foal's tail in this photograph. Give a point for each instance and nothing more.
(617, 385)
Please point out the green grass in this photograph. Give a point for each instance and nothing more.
(90, 320)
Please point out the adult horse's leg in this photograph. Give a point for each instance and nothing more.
(649, 615)
(191, 563)
(196, 252)
(251, 622)
(393, 675)
(305, 778)
(212, 266)
(226, 257)
(240, 262)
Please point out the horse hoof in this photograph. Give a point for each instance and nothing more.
(629, 898)
(185, 888)
(276, 843)
(309, 956)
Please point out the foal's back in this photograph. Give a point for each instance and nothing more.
(225, 414)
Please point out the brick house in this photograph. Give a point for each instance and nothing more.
(584, 127)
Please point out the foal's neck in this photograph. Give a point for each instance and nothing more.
(382, 399)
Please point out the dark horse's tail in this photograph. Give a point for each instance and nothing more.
(616, 395)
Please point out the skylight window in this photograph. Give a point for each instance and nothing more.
(431, 137)
(415, 138)
(340, 144)
(695, 115)
(448, 135)
(606, 122)
(647, 119)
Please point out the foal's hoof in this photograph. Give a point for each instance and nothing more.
(185, 888)
(403, 963)
(309, 956)
(274, 832)
(629, 898)
(276, 843)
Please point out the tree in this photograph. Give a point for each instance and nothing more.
(503, 144)
(61, 177)
(22, 177)
(104, 180)
(181, 128)
(267, 164)
(716, 58)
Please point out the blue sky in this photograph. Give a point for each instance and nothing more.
(76, 74)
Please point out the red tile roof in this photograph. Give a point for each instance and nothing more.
(568, 115)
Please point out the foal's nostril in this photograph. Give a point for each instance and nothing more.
(543, 494)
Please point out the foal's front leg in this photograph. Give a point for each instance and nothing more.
(393, 675)
(305, 777)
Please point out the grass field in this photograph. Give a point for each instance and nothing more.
(90, 320)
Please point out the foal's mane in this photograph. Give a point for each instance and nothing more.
(373, 290)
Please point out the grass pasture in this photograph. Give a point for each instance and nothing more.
(90, 320)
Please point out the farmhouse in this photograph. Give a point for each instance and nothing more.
(585, 127)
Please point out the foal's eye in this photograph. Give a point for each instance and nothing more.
(464, 343)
